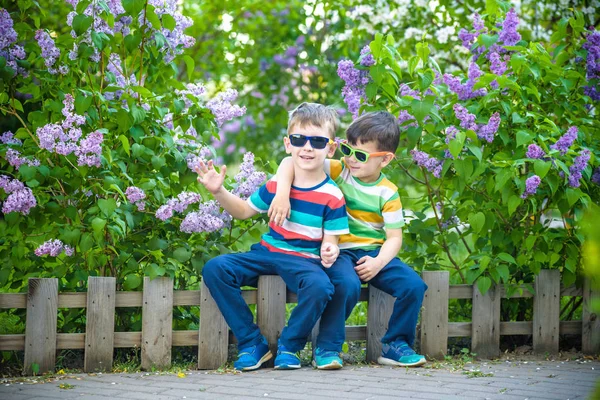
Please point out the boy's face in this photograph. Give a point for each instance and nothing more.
(369, 171)
(306, 157)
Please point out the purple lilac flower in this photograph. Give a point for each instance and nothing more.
(451, 132)
(467, 120)
(176, 39)
(208, 219)
(164, 212)
(535, 151)
(531, 185)
(248, 179)
(592, 91)
(90, 149)
(423, 160)
(222, 108)
(53, 248)
(136, 195)
(193, 90)
(50, 52)
(8, 138)
(509, 35)
(355, 82)
(577, 168)
(465, 91)
(7, 34)
(469, 38)
(405, 116)
(20, 198)
(368, 59)
(596, 176)
(14, 158)
(497, 66)
(565, 141)
(487, 132)
(405, 90)
(452, 221)
(592, 45)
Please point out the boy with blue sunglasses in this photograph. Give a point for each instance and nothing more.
(368, 252)
(297, 250)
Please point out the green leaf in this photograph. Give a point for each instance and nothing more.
(541, 168)
(133, 7)
(491, 7)
(507, 257)
(86, 242)
(125, 143)
(476, 150)
(138, 114)
(487, 40)
(425, 79)
(182, 254)
(484, 284)
(376, 45)
(477, 221)
(504, 272)
(142, 90)
(168, 21)
(82, 103)
(523, 138)
(423, 51)
(98, 224)
(132, 281)
(514, 202)
(413, 133)
(107, 206)
(572, 196)
(81, 23)
(132, 42)
(456, 144)
(412, 64)
(421, 108)
(190, 65)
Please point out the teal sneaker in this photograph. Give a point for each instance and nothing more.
(252, 357)
(400, 354)
(327, 359)
(286, 359)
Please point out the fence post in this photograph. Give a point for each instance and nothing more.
(590, 333)
(213, 335)
(434, 318)
(546, 311)
(100, 324)
(485, 327)
(379, 312)
(40, 325)
(157, 323)
(270, 310)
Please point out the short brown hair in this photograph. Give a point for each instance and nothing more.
(314, 114)
(380, 127)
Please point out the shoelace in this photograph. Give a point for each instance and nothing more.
(328, 353)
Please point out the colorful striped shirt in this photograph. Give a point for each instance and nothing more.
(372, 207)
(315, 211)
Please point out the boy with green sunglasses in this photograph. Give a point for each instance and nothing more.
(368, 253)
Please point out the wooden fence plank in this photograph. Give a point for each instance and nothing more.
(12, 342)
(590, 340)
(40, 325)
(213, 334)
(270, 310)
(379, 312)
(157, 323)
(434, 318)
(13, 300)
(485, 340)
(100, 324)
(546, 311)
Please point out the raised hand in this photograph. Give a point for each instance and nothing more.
(329, 253)
(209, 177)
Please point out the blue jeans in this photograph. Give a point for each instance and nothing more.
(396, 279)
(226, 274)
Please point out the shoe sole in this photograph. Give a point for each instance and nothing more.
(264, 358)
(394, 363)
(285, 366)
(330, 366)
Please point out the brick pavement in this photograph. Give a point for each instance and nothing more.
(507, 380)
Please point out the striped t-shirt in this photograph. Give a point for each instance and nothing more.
(315, 211)
(372, 207)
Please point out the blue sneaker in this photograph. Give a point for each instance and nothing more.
(327, 359)
(252, 357)
(400, 354)
(286, 359)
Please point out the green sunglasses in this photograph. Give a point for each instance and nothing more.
(360, 155)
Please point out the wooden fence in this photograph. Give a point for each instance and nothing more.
(42, 301)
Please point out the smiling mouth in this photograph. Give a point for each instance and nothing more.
(306, 157)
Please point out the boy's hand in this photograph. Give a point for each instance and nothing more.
(279, 210)
(209, 177)
(329, 253)
(367, 268)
